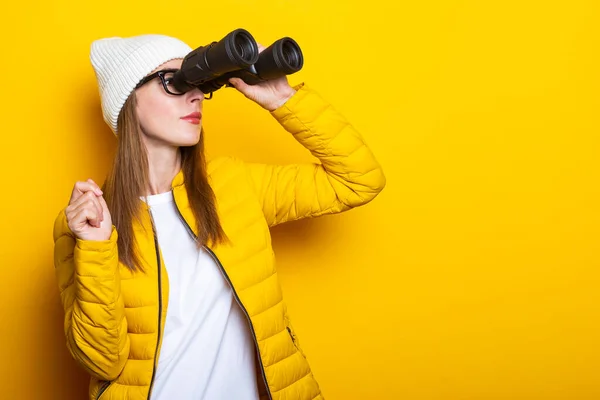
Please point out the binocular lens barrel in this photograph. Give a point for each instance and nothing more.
(283, 57)
(236, 55)
(237, 50)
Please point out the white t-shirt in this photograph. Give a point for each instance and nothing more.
(207, 349)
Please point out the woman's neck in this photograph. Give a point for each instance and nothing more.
(163, 164)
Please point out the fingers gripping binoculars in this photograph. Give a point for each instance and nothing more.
(236, 55)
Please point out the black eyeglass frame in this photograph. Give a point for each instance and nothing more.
(160, 74)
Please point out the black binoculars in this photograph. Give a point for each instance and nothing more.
(210, 67)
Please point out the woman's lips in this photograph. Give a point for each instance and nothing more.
(193, 118)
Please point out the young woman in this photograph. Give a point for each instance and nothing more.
(166, 273)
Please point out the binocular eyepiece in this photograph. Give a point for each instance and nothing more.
(236, 56)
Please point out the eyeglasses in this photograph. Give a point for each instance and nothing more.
(166, 77)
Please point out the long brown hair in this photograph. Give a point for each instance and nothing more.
(128, 179)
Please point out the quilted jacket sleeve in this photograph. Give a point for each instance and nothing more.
(90, 291)
(346, 176)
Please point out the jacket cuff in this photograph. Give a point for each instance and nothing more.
(99, 245)
(300, 109)
(97, 257)
(303, 116)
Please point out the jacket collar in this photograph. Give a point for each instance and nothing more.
(177, 186)
(177, 180)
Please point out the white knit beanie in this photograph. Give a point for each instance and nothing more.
(120, 63)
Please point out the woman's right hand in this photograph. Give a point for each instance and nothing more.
(87, 213)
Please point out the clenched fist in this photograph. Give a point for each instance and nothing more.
(87, 213)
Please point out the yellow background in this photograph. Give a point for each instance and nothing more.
(474, 275)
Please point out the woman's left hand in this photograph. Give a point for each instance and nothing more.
(270, 95)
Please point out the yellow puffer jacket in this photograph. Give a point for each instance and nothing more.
(114, 318)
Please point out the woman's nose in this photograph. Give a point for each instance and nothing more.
(195, 95)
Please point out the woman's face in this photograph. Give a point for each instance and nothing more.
(168, 119)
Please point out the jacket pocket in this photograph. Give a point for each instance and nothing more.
(103, 389)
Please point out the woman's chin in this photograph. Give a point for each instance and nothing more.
(187, 139)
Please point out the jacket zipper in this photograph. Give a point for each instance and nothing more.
(235, 296)
(237, 299)
(103, 389)
(159, 305)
